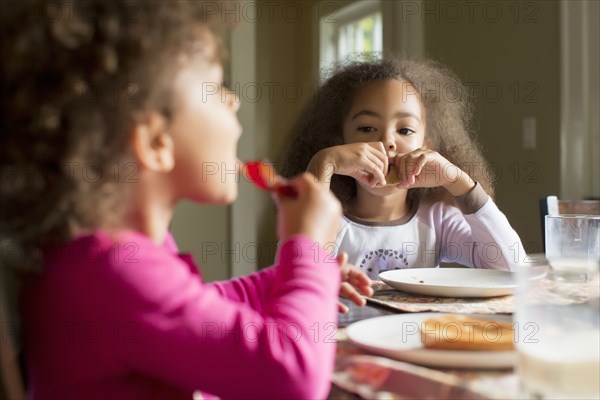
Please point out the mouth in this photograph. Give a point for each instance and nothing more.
(391, 177)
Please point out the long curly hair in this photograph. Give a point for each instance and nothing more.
(75, 77)
(448, 115)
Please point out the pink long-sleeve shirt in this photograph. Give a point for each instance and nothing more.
(115, 317)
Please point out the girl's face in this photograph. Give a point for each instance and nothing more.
(205, 132)
(387, 111)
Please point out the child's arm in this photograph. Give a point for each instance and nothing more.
(251, 289)
(187, 335)
(369, 163)
(479, 235)
(423, 168)
(191, 337)
(482, 233)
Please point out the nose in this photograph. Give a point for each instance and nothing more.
(389, 142)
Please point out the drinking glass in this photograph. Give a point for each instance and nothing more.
(557, 336)
(573, 246)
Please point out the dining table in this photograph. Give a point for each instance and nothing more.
(455, 383)
(369, 369)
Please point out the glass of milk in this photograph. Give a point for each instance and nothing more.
(573, 246)
(557, 335)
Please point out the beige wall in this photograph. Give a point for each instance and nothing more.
(286, 57)
(513, 67)
(204, 232)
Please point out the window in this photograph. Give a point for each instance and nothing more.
(359, 36)
(351, 31)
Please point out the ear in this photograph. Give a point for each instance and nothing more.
(152, 145)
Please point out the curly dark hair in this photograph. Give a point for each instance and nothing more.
(448, 116)
(75, 77)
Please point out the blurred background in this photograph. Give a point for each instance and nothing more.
(532, 68)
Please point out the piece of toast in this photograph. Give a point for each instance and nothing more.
(460, 332)
(391, 178)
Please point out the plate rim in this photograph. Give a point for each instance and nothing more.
(475, 359)
(441, 290)
(479, 271)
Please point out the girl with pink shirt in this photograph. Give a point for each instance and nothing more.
(113, 311)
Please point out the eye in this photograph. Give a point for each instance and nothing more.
(366, 129)
(406, 131)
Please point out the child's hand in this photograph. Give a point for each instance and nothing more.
(315, 212)
(428, 168)
(365, 162)
(354, 283)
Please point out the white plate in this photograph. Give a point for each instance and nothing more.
(452, 282)
(398, 336)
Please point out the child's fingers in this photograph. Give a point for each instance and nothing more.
(401, 165)
(365, 290)
(380, 151)
(370, 176)
(365, 177)
(356, 277)
(343, 308)
(410, 166)
(379, 155)
(359, 280)
(348, 291)
(313, 211)
(420, 163)
(351, 273)
(366, 162)
(342, 259)
(376, 168)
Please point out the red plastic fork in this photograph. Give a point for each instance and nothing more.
(264, 176)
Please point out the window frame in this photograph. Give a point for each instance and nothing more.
(329, 27)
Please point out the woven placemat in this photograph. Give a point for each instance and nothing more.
(547, 292)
